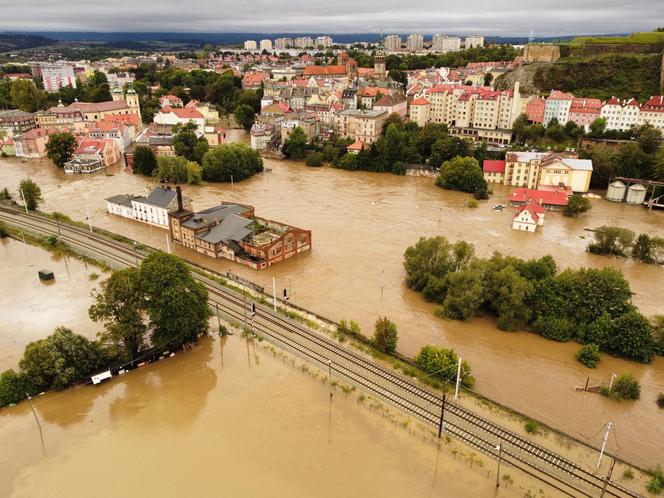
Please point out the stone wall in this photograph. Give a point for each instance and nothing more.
(541, 53)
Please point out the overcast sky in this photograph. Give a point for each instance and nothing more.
(491, 17)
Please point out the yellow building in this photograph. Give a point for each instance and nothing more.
(533, 170)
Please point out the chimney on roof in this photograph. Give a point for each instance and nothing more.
(178, 190)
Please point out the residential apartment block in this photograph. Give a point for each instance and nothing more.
(473, 41)
(392, 43)
(250, 45)
(480, 113)
(540, 170)
(415, 43)
(360, 124)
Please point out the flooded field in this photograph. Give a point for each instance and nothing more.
(31, 309)
(362, 223)
(224, 419)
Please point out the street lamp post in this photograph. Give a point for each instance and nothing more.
(500, 457)
(135, 253)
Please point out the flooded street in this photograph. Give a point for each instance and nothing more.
(223, 419)
(361, 224)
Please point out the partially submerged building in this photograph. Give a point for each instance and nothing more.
(232, 231)
(152, 209)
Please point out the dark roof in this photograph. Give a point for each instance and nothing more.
(161, 197)
(122, 199)
(213, 215)
(233, 227)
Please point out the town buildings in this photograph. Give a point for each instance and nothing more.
(232, 231)
(360, 124)
(93, 154)
(55, 75)
(303, 42)
(152, 209)
(528, 217)
(324, 42)
(181, 115)
(14, 122)
(32, 143)
(283, 43)
(557, 107)
(250, 45)
(536, 170)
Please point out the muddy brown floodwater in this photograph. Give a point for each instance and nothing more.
(362, 223)
(31, 309)
(223, 419)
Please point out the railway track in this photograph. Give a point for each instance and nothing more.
(477, 432)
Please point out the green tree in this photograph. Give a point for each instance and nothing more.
(60, 360)
(176, 304)
(448, 148)
(194, 173)
(385, 335)
(576, 205)
(13, 387)
(624, 387)
(145, 160)
(315, 160)
(461, 173)
(296, 144)
(649, 138)
(657, 324)
(245, 116)
(588, 355)
(172, 169)
(26, 96)
(465, 292)
(643, 249)
(60, 147)
(185, 141)
(611, 240)
(598, 127)
(31, 193)
(120, 304)
(442, 363)
(231, 161)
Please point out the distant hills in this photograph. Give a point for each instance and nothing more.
(19, 41)
(46, 37)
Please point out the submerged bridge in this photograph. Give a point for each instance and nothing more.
(557, 472)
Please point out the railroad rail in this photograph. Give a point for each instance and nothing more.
(481, 434)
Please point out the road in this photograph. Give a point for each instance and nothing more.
(481, 434)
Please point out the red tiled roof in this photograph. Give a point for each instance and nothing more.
(493, 166)
(357, 145)
(654, 104)
(324, 71)
(543, 197)
(186, 113)
(420, 101)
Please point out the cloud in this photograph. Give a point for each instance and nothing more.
(498, 17)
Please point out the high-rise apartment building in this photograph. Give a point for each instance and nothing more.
(324, 41)
(304, 42)
(392, 43)
(57, 75)
(415, 43)
(250, 45)
(266, 45)
(473, 41)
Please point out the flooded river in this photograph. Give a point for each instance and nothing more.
(362, 223)
(224, 419)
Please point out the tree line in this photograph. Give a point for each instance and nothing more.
(159, 304)
(586, 305)
(618, 241)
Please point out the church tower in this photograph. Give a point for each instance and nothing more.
(131, 97)
(380, 72)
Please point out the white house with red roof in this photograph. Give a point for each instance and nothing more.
(549, 198)
(528, 217)
(181, 115)
(93, 154)
(653, 112)
(557, 107)
(170, 101)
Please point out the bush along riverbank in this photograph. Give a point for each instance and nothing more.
(586, 305)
